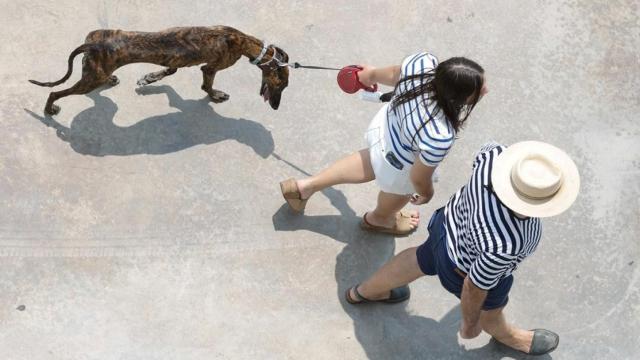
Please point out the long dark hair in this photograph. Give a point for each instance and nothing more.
(450, 84)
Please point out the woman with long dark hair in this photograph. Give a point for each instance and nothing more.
(407, 139)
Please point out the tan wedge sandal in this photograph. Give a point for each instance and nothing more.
(292, 195)
(402, 226)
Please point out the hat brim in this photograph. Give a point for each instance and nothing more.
(509, 196)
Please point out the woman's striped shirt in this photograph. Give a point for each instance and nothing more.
(416, 128)
(484, 238)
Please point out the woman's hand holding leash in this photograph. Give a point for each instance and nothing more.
(366, 75)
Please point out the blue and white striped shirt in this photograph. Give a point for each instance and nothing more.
(414, 129)
(484, 238)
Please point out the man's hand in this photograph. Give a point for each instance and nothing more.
(470, 332)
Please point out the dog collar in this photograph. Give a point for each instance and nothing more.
(262, 53)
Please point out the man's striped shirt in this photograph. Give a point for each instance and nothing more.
(484, 238)
(416, 128)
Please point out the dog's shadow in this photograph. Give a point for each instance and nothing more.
(93, 131)
(384, 331)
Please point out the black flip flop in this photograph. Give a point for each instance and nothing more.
(396, 295)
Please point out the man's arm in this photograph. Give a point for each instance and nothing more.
(472, 299)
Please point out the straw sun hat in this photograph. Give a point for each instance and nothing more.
(535, 179)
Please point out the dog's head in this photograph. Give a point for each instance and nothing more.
(275, 78)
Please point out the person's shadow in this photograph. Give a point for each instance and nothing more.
(384, 331)
(93, 132)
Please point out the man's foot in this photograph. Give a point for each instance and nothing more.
(544, 341)
(354, 296)
(533, 342)
(396, 295)
(403, 223)
(520, 340)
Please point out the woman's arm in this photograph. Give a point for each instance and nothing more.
(421, 178)
(370, 75)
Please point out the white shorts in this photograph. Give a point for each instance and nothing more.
(389, 178)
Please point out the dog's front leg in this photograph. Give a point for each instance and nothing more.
(208, 75)
(155, 76)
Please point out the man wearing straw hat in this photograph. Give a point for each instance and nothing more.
(481, 235)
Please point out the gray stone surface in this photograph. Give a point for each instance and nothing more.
(153, 227)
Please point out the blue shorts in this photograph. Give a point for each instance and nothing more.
(433, 259)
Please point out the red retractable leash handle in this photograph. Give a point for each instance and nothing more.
(348, 80)
(350, 83)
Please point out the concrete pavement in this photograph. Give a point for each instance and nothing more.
(149, 225)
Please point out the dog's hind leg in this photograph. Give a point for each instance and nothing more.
(155, 76)
(208, 74)
(86, 84)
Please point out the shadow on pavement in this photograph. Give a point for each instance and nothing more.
(93, 132)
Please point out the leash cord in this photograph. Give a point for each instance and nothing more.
(385, 97)
(280, 63)
(297, 65)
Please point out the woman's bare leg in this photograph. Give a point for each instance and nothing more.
(356, 169)
(388, 206)
(353, 169)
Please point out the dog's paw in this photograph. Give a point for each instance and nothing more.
(113, 80)
(143, 81)
(218, 96)
(55, 109)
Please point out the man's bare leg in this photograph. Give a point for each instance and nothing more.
(399, 271)
(494, 323)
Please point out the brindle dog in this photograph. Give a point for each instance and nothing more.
(217, 47)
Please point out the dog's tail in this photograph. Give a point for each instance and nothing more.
(80, 49)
